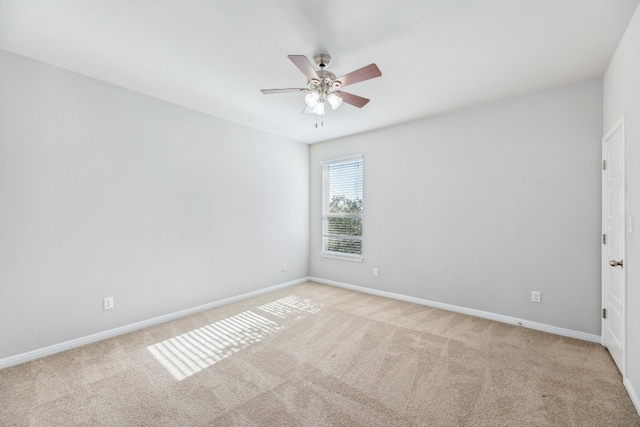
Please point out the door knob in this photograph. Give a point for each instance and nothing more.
(613, 263)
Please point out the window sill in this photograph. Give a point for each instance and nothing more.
(344, 257)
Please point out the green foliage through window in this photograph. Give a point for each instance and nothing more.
(342, 210)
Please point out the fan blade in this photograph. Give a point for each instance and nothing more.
(272, 91)
(305, 66)
(365, 73)
(355, 100)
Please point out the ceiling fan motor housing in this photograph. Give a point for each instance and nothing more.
(326, 84)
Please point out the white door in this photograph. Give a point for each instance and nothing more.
(613, 249)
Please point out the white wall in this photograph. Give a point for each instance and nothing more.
(478, 208)
(107, 192)
(622, 97)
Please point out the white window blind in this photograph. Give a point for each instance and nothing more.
(342, 208)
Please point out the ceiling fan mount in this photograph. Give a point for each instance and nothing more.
(322, 60)
(323, 85)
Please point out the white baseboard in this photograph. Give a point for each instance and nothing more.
(632, 394)
(470, 311)
(78, 342)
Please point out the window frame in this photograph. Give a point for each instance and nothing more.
(324, 214)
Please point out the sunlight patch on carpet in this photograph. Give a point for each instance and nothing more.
(291, 305)
(191, 352)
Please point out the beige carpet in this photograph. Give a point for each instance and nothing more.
(321, 356)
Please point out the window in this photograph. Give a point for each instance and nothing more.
(342, 208)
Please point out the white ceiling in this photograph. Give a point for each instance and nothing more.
(214, 56)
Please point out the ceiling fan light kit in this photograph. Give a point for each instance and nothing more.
(323, 86)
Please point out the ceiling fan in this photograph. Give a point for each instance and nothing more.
(323, 86)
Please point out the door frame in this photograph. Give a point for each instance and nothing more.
(620, 124)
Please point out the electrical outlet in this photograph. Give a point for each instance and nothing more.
(284, 267)
(535, 296)
(108, 303)
(376, 272)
